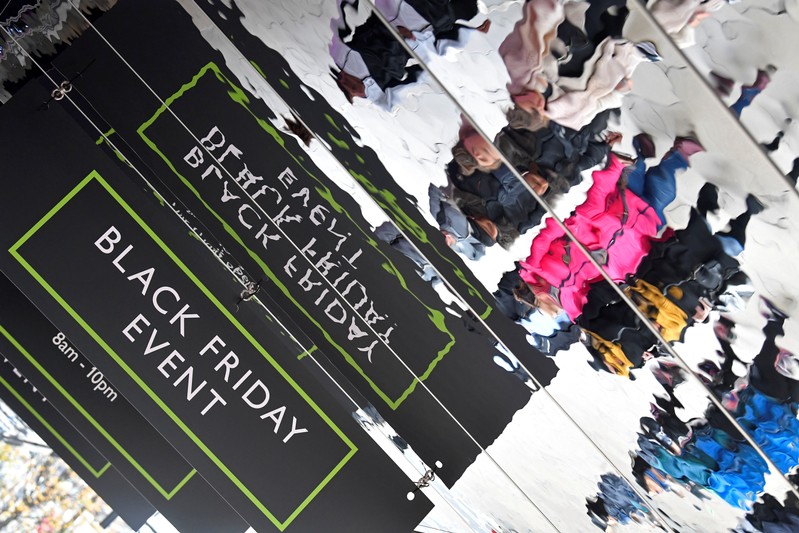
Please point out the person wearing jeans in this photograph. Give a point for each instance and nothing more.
(658, 185)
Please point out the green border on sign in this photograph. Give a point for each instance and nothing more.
(96, 473)
(14, 250)
(21, 349)
(238, 96)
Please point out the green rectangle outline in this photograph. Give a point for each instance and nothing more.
(166, 494)
(14, 250)
(237, 95)
(96, 473)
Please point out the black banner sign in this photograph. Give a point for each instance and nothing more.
(72, 447)
(84, 396)
(184, 349)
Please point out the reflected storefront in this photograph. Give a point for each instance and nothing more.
(529, 261)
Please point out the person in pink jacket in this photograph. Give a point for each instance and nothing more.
(615, 223)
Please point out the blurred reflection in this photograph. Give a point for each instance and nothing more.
(765, 400)
(743, 44)
(680, 281)
(675, 277)
(697, 457)
(549, 158)
(772, 516)
(748, 92)
(569, 68)
(564, 83)
(373, 65)
(42, 28)
(708, 452)
(616, 504)
(680, 18)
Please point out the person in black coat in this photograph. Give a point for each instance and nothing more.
(444, 15)
(385, 57)
(558, 151)
(498, 195)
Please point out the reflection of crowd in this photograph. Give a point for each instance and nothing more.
(748, 91)
(709, 454)
(765, 400)
(556, 132)
(700, 455)
(549, 157)
(564, 82)
(772, 516)
(680, 18)
(569, 69)
(372, 64)
(616, 503)
(674, 277)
